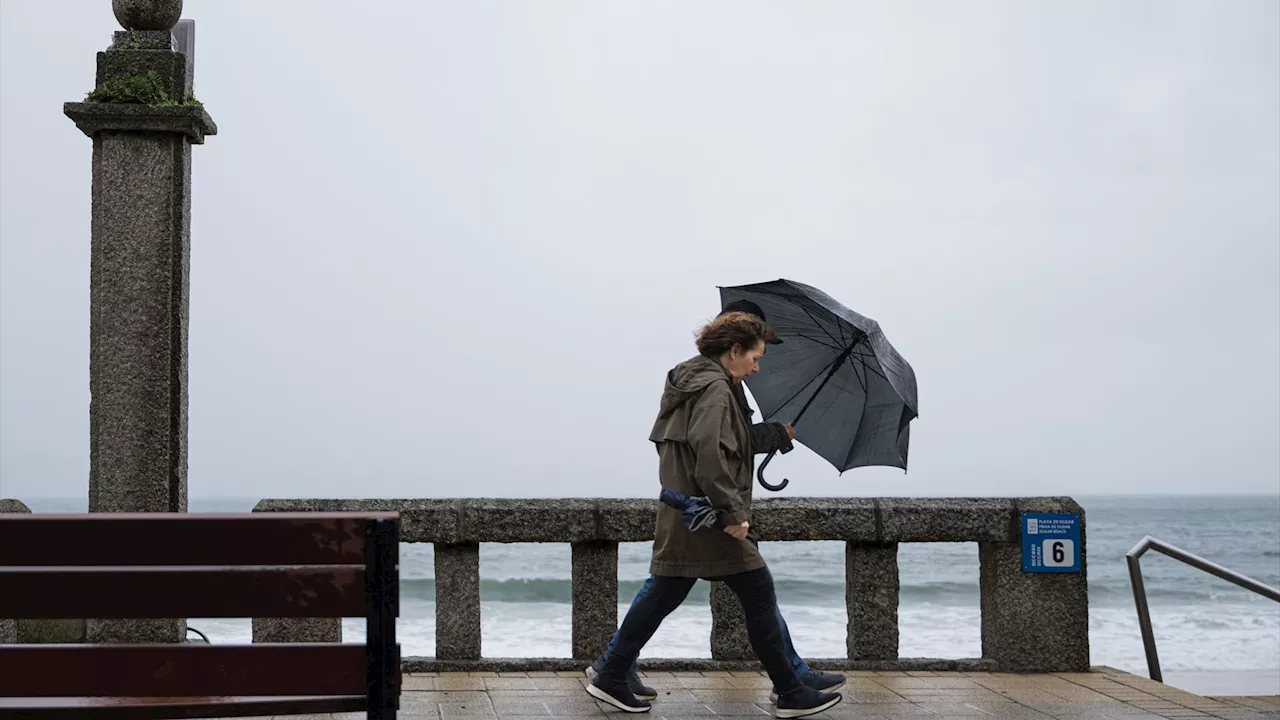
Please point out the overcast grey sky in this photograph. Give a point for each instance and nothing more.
(450, 248)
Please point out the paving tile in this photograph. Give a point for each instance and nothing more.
(504, 706)
(597, 716)
(505, 683)
(459, 683)
(756, 695)
(1105, 695)
(733, 709)
(586, 705)
(705, 682)
(465, 710)
(862, 697)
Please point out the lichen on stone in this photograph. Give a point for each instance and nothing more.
(143, 89)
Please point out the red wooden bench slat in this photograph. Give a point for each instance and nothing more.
(176, 592)
(105, 708)
(183, 539)
(182, 670)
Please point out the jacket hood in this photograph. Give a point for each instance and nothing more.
(687, 381)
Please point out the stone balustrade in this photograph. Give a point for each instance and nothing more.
(1030, 622)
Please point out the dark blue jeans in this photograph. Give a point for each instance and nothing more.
(797, 663)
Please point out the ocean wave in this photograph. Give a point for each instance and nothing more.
(791, 592)
(1240, 639)
(828, 593)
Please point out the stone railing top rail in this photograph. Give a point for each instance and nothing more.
(868, 520)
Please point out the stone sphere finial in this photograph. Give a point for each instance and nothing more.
(154, 15)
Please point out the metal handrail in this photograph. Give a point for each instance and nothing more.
(1140, 591)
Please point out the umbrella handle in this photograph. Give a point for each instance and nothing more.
(760, 475)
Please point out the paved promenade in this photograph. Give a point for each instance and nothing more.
(1101, 695)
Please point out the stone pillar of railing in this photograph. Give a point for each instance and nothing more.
(871, 595)
(458, 601)
(1034, 622)
(595, 596)
(729, 639)
(297, 630)
(37, 631)
(9, 626)
(143, 121)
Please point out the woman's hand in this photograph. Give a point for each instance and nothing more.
(739, 532)
(791, 431)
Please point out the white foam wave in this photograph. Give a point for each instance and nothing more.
(1190, 639)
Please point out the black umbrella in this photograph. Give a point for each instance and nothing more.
(835, 371)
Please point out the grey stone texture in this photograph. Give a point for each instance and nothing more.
(135, 631)
(9, 505)
(458, 601)
(1034, 622)
(189, 121)
(9, 627)
(595, 596)
(729, 639)
(138, 322)
(141, 40)
(946, 520)
(147, 14)
(139, 289)
(297, 630)
(871, 594)
(632, 520)
(814, 519)
(1031, 623)
(51, 631)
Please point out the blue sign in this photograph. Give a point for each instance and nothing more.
(1051, 543)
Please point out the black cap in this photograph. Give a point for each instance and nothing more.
(750, 308)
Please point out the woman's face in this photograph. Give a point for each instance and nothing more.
(742, 364)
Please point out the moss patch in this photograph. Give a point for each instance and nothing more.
(145, 89)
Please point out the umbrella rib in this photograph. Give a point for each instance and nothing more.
(821, 327)
(805, 309)
(839, 359)
(816, 341)
(862, 382)
(865, 366)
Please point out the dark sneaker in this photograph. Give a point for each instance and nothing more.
(637, 688)
(818, 680)
(619, 695)
(806, 702)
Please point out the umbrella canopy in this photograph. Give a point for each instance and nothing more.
(835, 377)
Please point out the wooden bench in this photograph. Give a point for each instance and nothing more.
(169, 565)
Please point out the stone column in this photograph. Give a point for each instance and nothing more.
(458, 601)
(595, 597)
(729, 639)
(1032, 623)
(297, 630)
(9, 626)
(871, 594)
(143, 121)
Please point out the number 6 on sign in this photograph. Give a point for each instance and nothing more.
(1059, 552)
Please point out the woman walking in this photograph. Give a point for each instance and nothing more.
(704, 449)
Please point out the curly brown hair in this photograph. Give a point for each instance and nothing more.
(739, 329)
